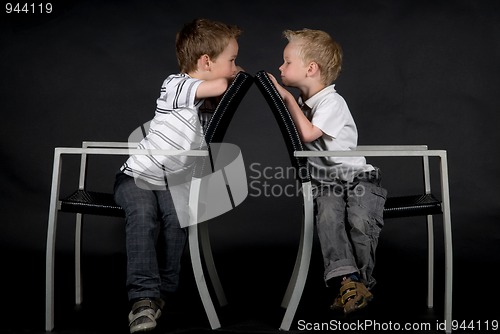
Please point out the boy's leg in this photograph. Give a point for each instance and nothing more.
(173, 241)
(340, 263)
(366, 199)
(141, 229)
(335, 244)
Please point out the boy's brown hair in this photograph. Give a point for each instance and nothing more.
(319, 47)
(202, 36)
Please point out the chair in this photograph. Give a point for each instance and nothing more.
(425, 204)
(84, 201)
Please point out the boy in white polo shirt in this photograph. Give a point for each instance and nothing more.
(347, 191)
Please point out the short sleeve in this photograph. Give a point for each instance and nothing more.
(178, 92)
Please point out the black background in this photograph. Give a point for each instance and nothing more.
(415, 72)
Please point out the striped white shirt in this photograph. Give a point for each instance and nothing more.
(175, 126)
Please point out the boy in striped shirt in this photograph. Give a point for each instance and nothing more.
(206, 53)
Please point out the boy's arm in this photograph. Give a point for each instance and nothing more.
(308, 132)
(215, 87)
(212, 88)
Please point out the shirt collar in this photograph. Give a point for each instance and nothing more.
(312, 102)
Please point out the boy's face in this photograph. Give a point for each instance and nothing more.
(224, 66)
(293, 70)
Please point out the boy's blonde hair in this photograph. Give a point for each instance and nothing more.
(319, 47)
(199, 37)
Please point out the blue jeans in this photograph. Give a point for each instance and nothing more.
(154, 239)
(349, 219)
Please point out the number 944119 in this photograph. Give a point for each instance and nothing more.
(28, 8)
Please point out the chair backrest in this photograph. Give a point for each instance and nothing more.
(223, 114)
(285, 122)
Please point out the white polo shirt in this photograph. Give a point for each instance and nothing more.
(328, 111)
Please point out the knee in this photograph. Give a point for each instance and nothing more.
(359, 223)
(136, 202)
(139, 208)
(366, 225)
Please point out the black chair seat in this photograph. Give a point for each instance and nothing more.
(414, 205)
(98, 203)
(91, 202)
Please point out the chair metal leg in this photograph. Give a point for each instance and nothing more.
(299, 276)
(49, 270)
(194, 250)
(293, 279)
(430, 237)
(447, 243)
(78, 257)
(210, 264)
(51, 243)
(201, 283)
(78, 230)
(430, 262)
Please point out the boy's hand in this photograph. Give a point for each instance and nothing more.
(307, 131)
(281, 90)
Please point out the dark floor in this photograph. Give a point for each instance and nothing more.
(254, 281)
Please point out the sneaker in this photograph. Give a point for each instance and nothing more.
(144, 314)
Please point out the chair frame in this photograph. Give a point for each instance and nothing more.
(195, 237)
(297, 281)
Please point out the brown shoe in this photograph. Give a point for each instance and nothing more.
(337, 304)
(353, 296)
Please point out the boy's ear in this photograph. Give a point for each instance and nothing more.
(313, 68)
(204, 62)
